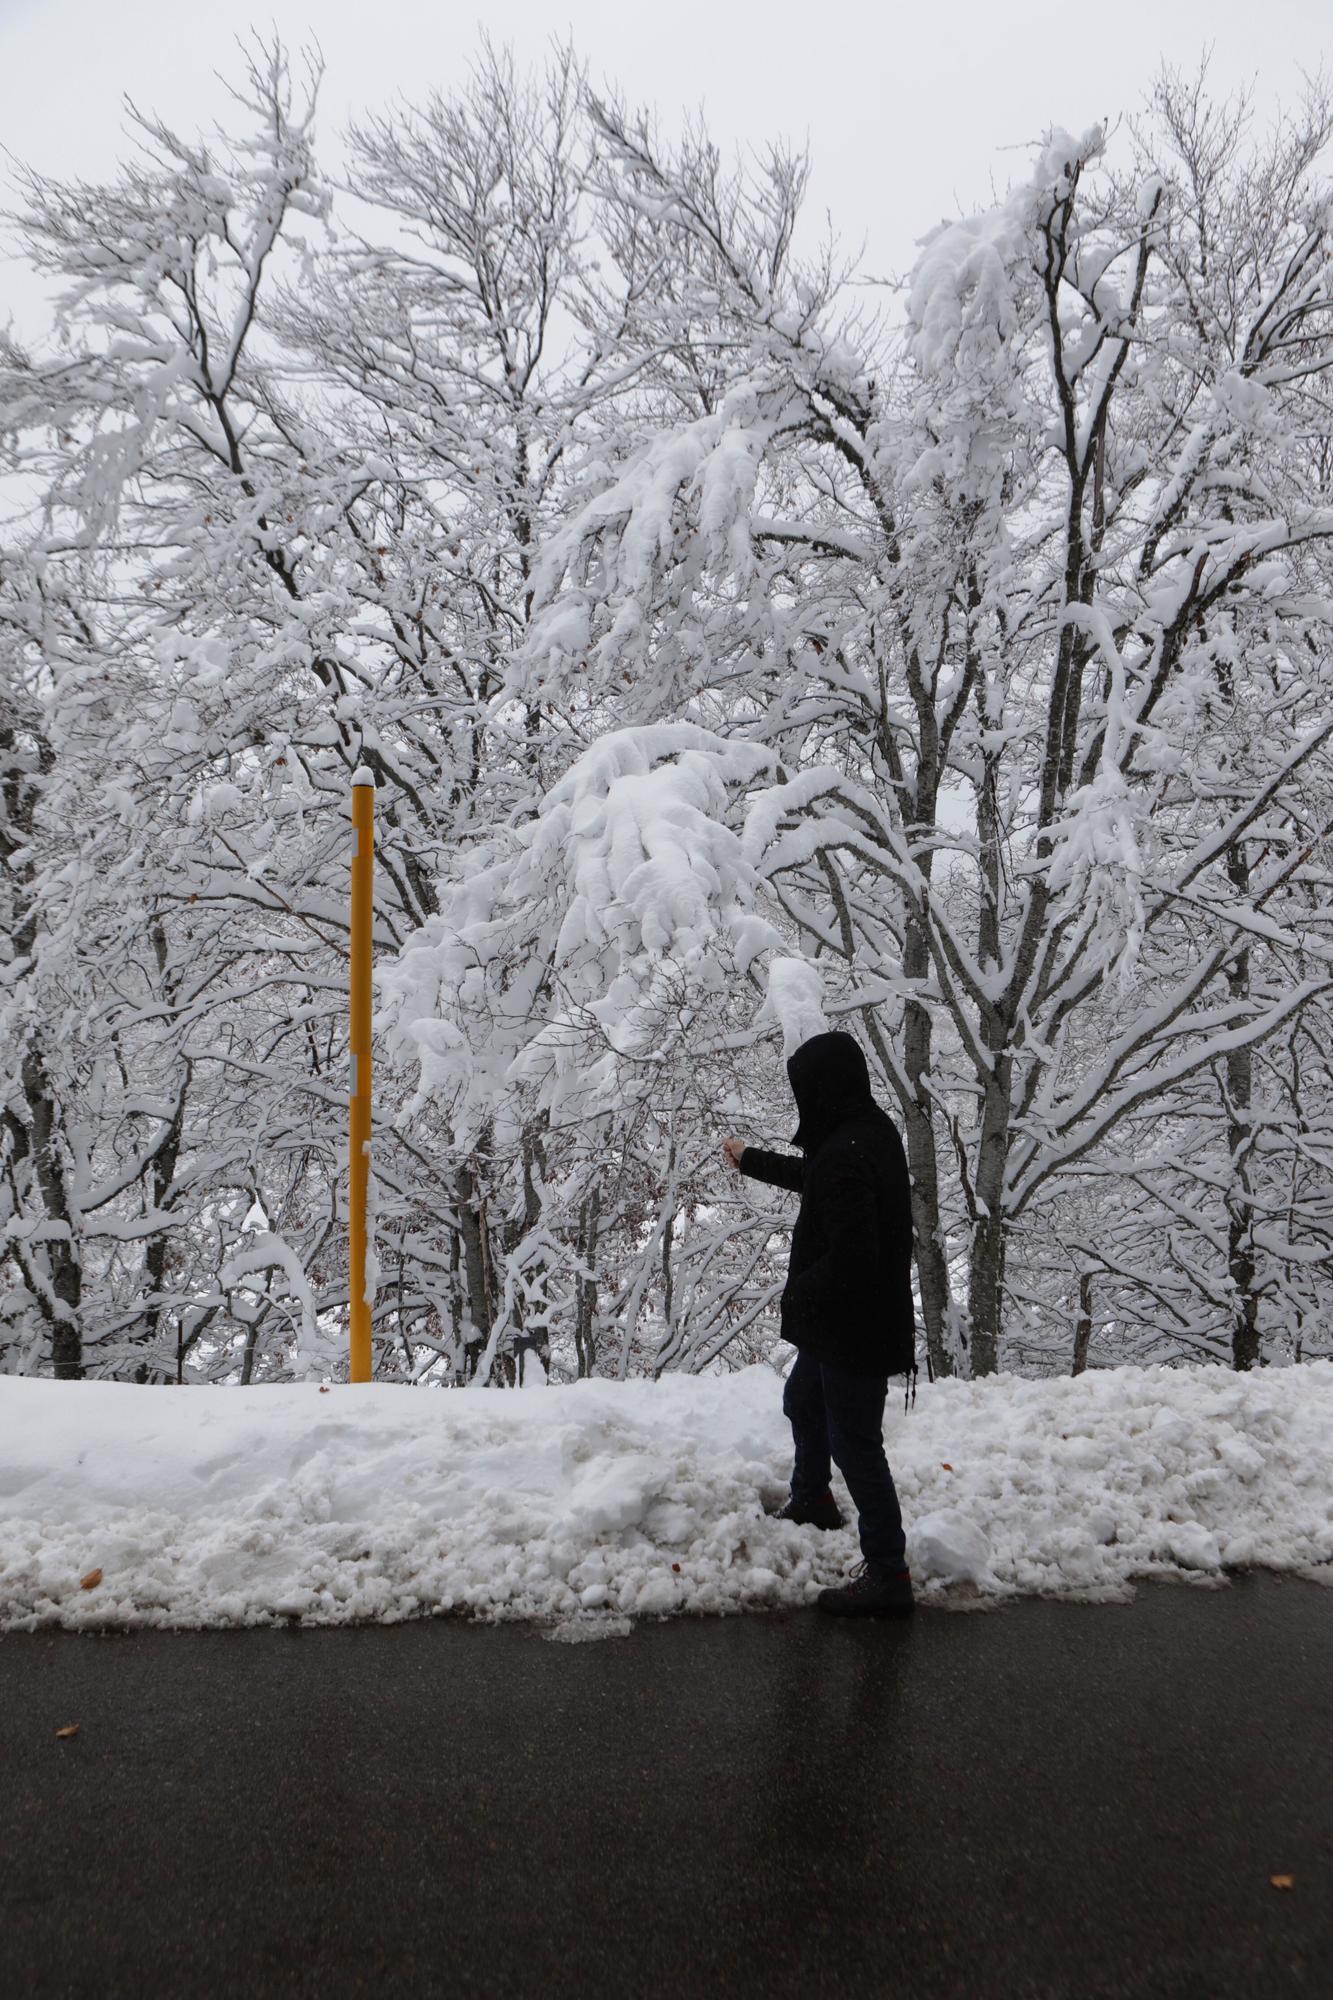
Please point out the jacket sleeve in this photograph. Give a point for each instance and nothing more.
(850, 1232)
(784, 1170)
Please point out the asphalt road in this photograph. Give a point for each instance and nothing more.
(1046, 1800)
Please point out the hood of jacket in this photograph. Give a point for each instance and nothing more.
(830, 1083)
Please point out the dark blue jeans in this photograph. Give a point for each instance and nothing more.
(840, 1417)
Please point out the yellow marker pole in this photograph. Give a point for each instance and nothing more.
(363, 892)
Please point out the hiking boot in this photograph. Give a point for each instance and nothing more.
(871, 1593)
(820, 1513)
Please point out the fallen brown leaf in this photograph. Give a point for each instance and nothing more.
(945, 1465)
(70, 1729)
(1283, 1881)
(91, 1581)
(323, 1388)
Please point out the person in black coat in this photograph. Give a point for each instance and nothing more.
(846, 1308)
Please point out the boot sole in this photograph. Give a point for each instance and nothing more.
(826, 1527)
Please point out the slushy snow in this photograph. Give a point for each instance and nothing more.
(606, 1501)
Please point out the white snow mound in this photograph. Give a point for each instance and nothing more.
(947, 1545)
(594, 1502)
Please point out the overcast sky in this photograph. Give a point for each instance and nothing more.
(910, 111)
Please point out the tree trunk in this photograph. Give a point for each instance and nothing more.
(585, 1289)
(1240, 1203)
(52, 1268)
(1083, 1324)
(62, 1305)
(159, 1244)
(986, 1264)
(985, 1288)
(477, 1294)
(923, 1167)
(985, 1293)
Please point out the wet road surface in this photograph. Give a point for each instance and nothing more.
(1045, 1800)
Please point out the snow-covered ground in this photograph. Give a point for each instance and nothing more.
(589, 1504)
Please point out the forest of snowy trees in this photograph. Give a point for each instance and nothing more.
(737, 646)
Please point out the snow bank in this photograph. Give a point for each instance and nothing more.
(602, 1501)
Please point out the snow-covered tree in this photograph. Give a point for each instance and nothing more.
(1026, 559)
(731, 660)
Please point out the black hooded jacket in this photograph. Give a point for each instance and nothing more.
(848, 1298)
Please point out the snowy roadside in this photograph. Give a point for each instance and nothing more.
(600, 1501)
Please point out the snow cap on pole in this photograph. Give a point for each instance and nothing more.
(363, 775)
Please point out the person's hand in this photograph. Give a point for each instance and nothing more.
(732, 1150)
